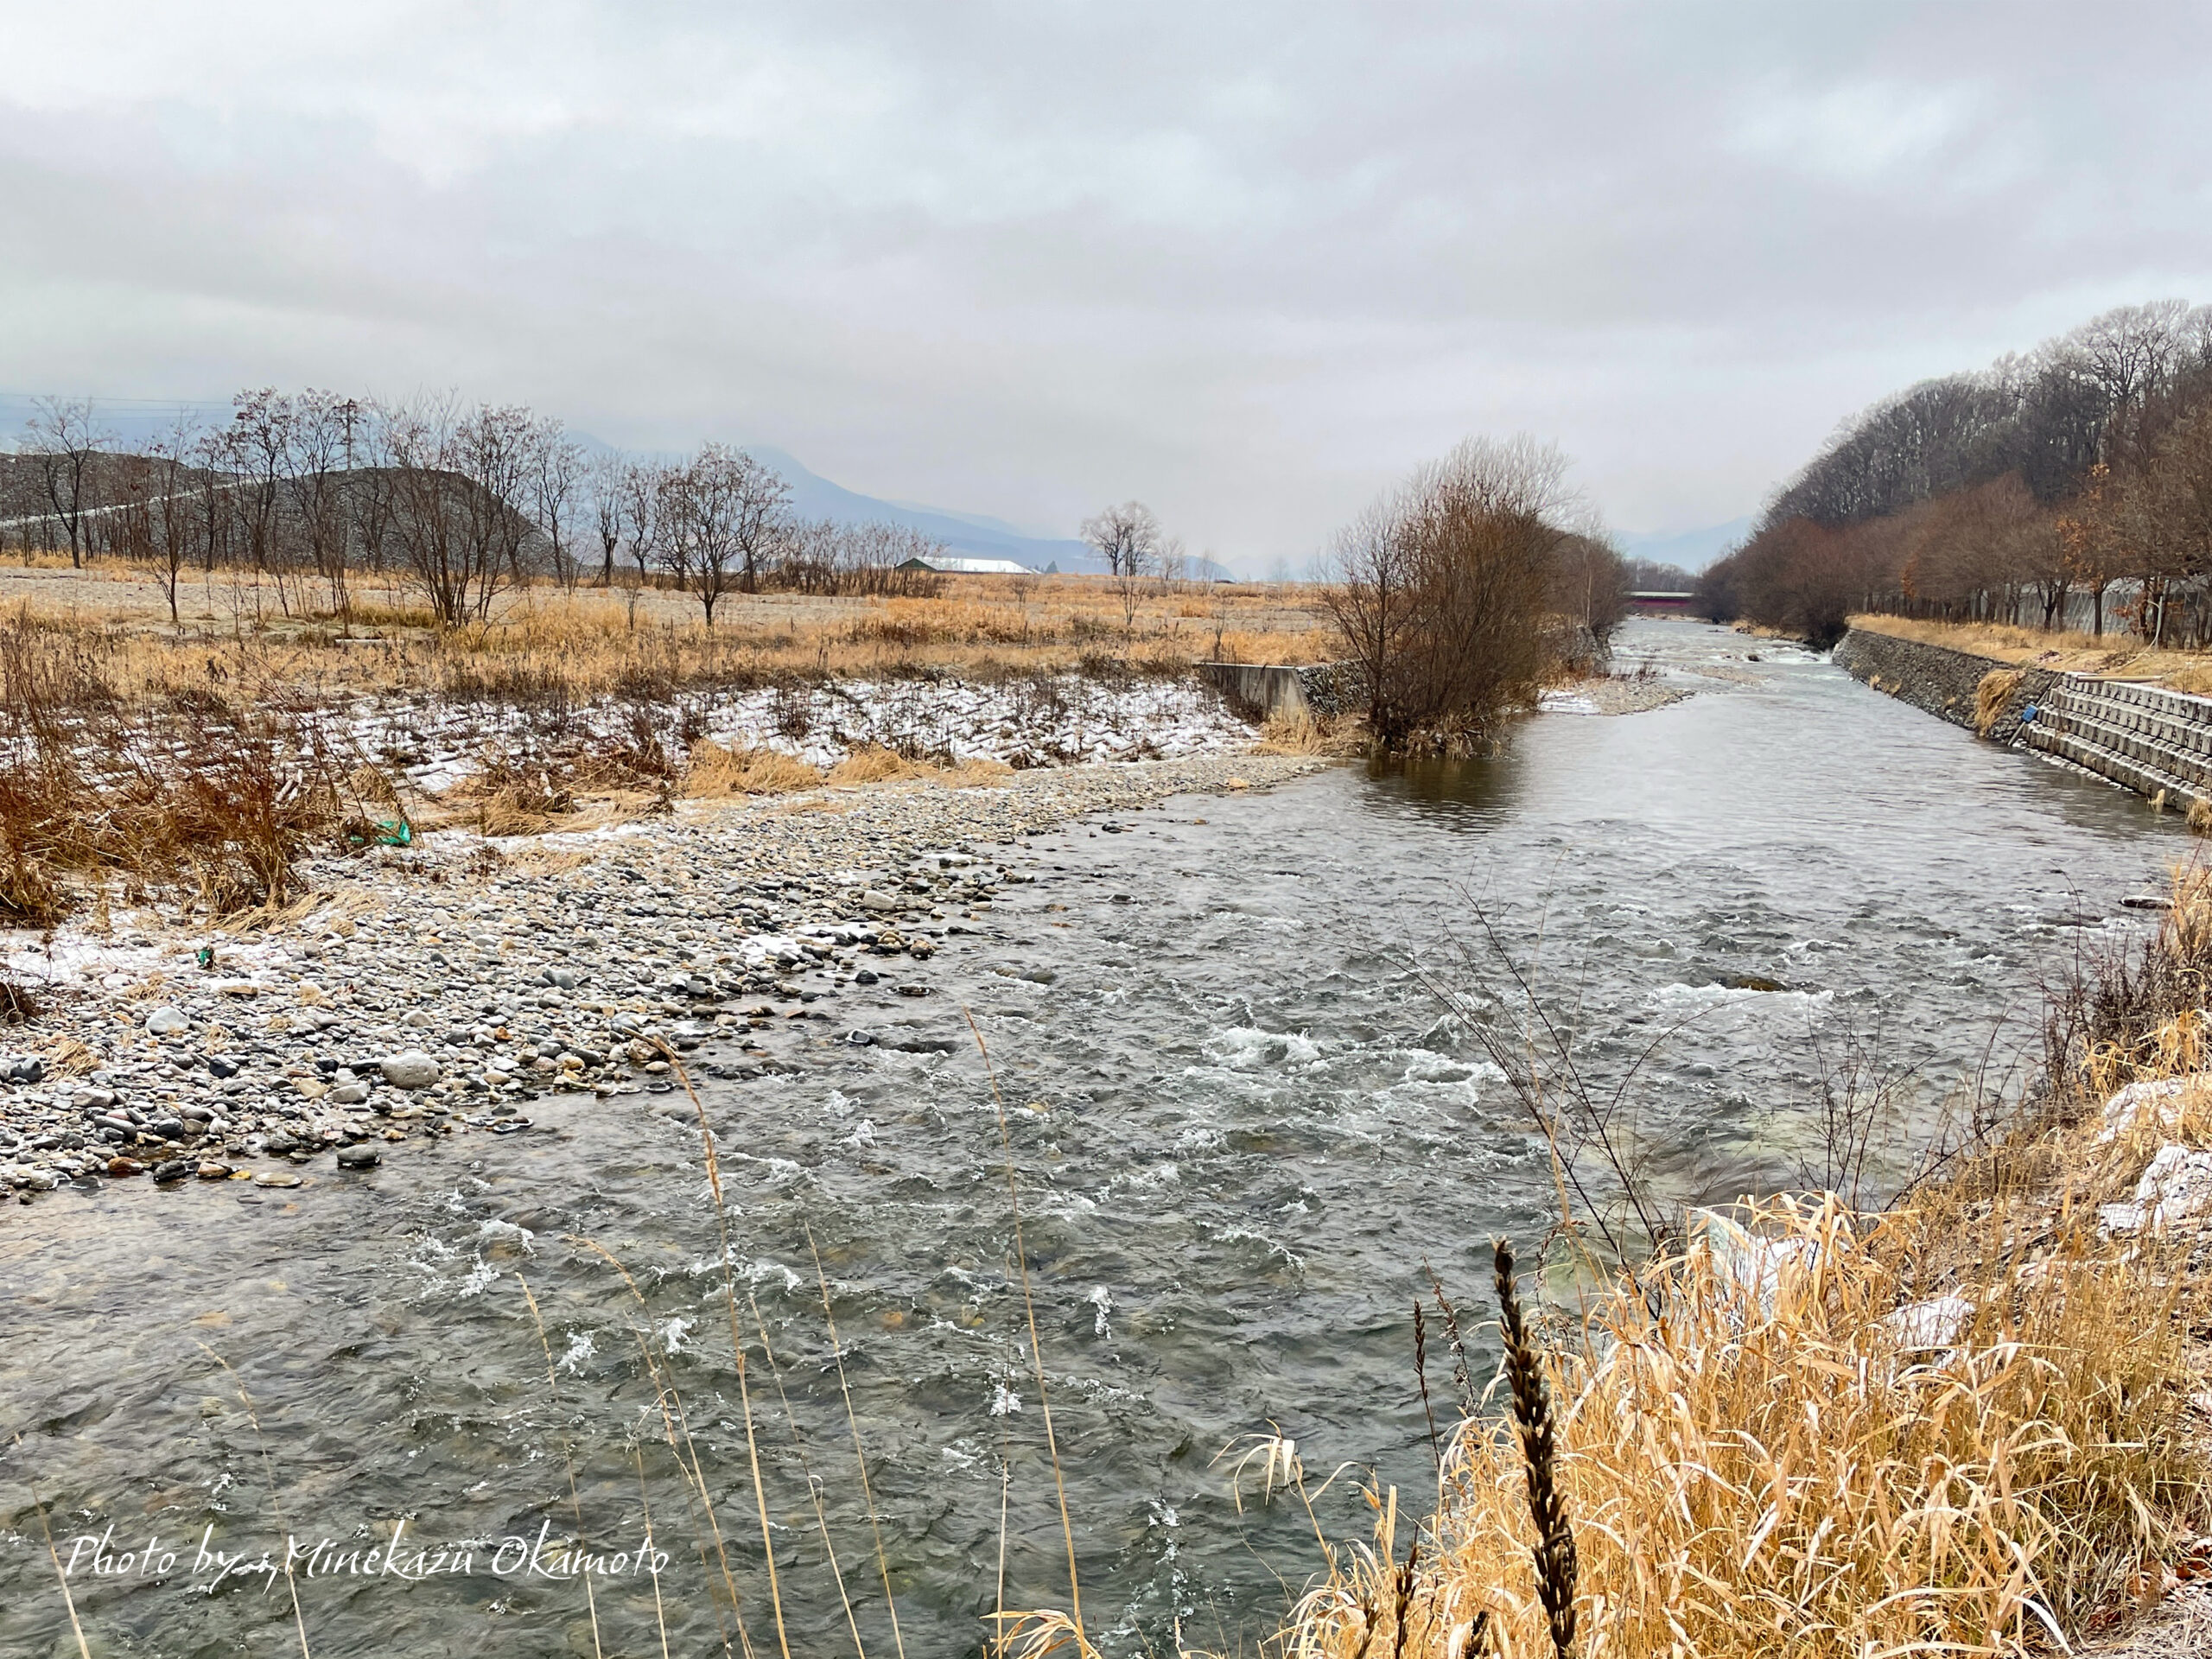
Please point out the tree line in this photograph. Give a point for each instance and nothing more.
(1460, 591)
(2069, 486)
(308, 490)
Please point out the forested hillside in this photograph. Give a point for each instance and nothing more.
(2071, 486)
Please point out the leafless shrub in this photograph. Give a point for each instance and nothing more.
(1447, 590)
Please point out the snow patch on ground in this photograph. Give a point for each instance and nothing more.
(2177, 1186)
(1048, 720)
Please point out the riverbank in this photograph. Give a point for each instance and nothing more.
(1975, 1422)
(1944, 680)
(1228, 1084)
(2130, 732)
(438, 990)
(2116, 655)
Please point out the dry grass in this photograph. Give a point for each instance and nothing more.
(1961, 1427)
(1303, 735)
(1779, 1463)
(1994, 690)
(715, 771)
(2113, 654)
(226, 786)
(212, 797)
(547, 642)
(2124, 1017)
(873, 764)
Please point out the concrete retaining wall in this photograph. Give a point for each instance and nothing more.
(1319, 691)
(1942, 682)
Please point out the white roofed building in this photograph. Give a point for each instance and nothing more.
(950, 565)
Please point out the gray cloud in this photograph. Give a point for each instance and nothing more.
(1248, 263)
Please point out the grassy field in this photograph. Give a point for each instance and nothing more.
(591, 641)
(211, 750)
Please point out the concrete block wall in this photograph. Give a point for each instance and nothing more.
(1321, 690)
(2154, 741)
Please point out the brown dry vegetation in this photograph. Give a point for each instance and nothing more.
(187, 756)
(209, 791)
(184, 756)
(588, 642)
(1776, 1463)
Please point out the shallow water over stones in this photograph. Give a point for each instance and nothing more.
(1241, 1123)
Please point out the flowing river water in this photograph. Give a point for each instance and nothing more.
(1240, 1121)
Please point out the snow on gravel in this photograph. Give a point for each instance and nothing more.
(1039, 720)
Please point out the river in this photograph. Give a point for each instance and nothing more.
(1242, 1121)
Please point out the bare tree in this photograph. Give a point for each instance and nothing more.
(721, 516)
(763, 515)
(2165, 510)
(215, 499)
(1589, 594)
(2131, 351)
(1126, 537)
(606, 512)
(64, 437)
(173, 524)
(460, 485)
(1173, 562)
(1369, 598)
(1446, 592)
(639, 494)
(257, 439)
(319, 431)
(557, 484)
(370, 497)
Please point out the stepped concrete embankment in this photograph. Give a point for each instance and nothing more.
(2142, 737)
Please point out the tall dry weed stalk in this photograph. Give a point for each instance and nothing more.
(1532, 1421)
(61, 1577)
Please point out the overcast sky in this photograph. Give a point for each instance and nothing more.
(1246, 262)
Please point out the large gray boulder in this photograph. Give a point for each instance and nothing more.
(412, 1070)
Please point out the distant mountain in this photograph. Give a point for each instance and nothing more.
(973, 534)
(1692, 549)
(136, 422)
(815, 497)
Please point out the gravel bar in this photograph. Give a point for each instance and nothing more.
(439, 989)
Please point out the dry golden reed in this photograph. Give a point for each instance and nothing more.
(1781, 1462)
(546, 641)
(1995, 689)
(715, 770)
